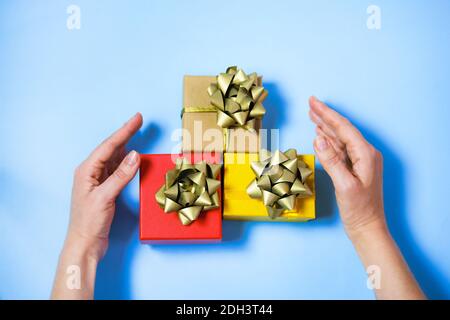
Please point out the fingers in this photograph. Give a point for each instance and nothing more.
(127, 169)
(319, 122)
(118, 139)
(346, 142)
(338, 145)
(332, 162)
(339, 125)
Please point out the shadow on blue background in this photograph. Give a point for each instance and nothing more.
(430, 278)
(113, 273)
(275, 106)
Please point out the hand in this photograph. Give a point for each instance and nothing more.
(355, 167)
(97, 183)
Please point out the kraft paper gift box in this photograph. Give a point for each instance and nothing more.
(199, 116)
(238, 205)
(156, 226)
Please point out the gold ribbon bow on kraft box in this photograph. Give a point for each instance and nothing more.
(230, 104)
(238, 99)
(190, 189)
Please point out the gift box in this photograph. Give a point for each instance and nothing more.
(157, 226)
(238, 205)
(199, 120)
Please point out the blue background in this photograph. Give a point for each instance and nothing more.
(62, 92)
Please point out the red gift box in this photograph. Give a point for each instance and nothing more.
(156, 226)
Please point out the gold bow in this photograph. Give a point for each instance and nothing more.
(280, 180)
(190, 189)
(237, 98)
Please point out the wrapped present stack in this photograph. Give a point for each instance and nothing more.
(222, 173)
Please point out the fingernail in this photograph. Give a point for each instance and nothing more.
(128, 121)
(321, 143)
(317, 103)
(131, 158)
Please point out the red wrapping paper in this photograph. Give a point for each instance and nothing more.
(155, 225)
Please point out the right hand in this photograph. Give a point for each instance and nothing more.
(355, 167)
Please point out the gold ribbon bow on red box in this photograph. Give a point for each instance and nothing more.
(190, 189)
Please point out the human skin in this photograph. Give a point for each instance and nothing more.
(97, 183)
(354, 166)
(356, 169)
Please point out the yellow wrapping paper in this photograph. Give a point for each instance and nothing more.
(239, 206)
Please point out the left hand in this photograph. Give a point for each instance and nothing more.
(97, 183)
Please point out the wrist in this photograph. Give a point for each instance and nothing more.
(77, 267)
(371, 229)
(83, 247)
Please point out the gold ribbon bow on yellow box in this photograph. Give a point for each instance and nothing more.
(190, 189)
(267, 187)
(280, 180)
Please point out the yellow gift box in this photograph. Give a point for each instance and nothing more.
(239, 206)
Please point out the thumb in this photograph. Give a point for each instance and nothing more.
(331, 162)
(126, 170)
